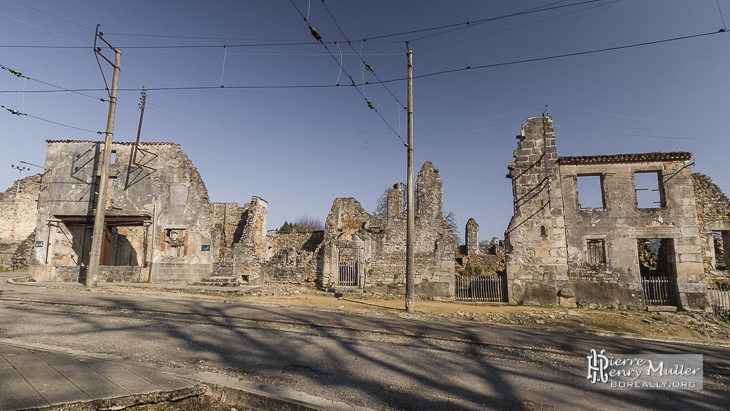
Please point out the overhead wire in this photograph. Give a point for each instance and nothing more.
(438, 73)
(18, 113)
(21, 75)
(52, 15)
(319, 38)
(45, 29)
(479, 21)
(367, 66)
(518, 27)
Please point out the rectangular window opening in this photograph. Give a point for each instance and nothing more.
(595, 252)
(720, 242)
(590, 192)
(113, 157)
(649, 189)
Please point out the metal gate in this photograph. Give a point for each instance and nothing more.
(482, 288)
(348, 273)
(658, 290)
(719, 299)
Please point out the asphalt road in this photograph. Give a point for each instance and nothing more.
(379, 361)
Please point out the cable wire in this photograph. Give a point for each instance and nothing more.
(370, 104)
(367, 66)
(21, 75)
(52, 15)
(18, 113)
(438, 73)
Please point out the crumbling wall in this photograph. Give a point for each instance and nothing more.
(713, 213)
(378, 246)
(559, 252)
(19, 210)
(535, 240)
(165, 191)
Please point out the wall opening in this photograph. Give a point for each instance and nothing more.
(595, 252)
(649, 189)
(348, 267)
(113, 157)
(721, 240)
(590, 192)
(658, 271)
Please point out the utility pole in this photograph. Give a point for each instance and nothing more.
(410, 213)
(20, 171)
(99, 225)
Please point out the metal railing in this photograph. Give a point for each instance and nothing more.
(718, 296)
(348, 274)
(658, 290)
(482, 288)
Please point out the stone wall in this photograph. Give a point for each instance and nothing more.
(158, 214)
(19, 211)
(537, 257)
(713, 213)
(377, 247)
(559, 252)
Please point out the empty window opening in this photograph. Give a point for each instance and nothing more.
(720, 242)
(113, 181)
(113, 157)
(595, 252)
(543, 232)
(590, 192)
(649, 192)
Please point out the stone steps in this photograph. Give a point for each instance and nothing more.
(219, 281)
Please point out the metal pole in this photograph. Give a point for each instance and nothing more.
(20, 171)
(410, 277)
(97, 236)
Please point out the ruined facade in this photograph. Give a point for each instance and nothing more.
(638, 232)
(713, 212)
(158, 224)
(363, 251)
(19, 208)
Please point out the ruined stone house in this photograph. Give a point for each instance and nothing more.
(19, 208)
(363, 251)
(158, 223)
(638, 242)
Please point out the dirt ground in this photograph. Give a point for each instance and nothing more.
(681, 325)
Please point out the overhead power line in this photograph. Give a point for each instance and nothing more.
(438, 73)
(21, 75)
(18, 113)
(318, 37)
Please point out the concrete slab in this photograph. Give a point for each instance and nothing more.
(17, 393)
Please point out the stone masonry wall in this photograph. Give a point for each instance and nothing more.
(537, 258)
(379, 246)
(19, 211)
(167, 188)
(713, 213)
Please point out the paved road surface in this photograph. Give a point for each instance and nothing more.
(382, 362)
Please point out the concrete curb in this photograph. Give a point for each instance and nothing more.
(226, 389)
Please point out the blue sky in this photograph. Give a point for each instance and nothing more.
(300, 147)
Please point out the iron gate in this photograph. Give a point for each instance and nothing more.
(348, 273)
(719, 299)
(482, 288)
(658, 290)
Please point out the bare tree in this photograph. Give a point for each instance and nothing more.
(305, 224)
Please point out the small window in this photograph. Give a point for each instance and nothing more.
(649, 190)
(590, 192)
(595, 252)
(113, 157)
(113, 181)
(718, 243)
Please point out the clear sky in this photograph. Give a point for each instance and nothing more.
(300, 147)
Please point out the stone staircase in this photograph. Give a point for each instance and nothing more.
(219, 281)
